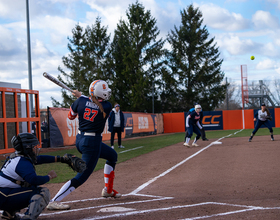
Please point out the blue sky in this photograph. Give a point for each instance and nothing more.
(241, 28)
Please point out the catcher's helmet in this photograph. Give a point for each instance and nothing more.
(24, 144)
(100, 89)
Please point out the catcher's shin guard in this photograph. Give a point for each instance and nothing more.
(37, 204)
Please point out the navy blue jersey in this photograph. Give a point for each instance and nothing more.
(90, 117)
(201, 114)
(22, 169)
(194, 117)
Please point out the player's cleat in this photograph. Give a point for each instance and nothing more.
(113, 194)
(272, 139)
(57, 206)
(121, 146)
(11, 216)
(205, 139)
(250, 139)
(186, 144)
(112, 147)
(195, 145)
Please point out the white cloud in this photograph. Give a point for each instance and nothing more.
(264, 20)
(268, 65)
(277, 42)
(12, 9)
(270, 50)
(234, 45)
(220, 18)
(39, 49)
(265, 64)
(278, 70)
(277, 2)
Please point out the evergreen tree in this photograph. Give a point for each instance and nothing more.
(136, 55)
(87, 60)
(194, 64)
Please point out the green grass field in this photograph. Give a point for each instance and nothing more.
(147, 144)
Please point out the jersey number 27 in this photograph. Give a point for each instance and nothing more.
(88, 112)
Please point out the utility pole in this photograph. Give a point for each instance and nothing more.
(29, 56)
(227, 93)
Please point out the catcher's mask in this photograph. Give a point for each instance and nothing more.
(26, 144)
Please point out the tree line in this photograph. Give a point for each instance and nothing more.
(145, 76)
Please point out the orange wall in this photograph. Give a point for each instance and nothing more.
(249, 118)
(277, 118)
(232, 119)
(174, 122)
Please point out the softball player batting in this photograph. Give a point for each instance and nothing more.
(263, 118)
(93, 113)
(191, 121)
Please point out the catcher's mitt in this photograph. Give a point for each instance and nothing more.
(268, 118)
(76, 163)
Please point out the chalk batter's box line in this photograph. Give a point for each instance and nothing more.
(247, 209)
(155, 198)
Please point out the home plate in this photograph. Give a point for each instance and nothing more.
(217, 142)
(115, 209)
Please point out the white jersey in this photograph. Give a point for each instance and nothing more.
(262, 115)
(9, 169)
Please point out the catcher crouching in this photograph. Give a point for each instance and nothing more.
(19, 183)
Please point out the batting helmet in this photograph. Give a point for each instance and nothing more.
(197, 107)
(24, 144)
(100, 89)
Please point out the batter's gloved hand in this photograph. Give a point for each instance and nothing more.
(76, 163)
(268, 118)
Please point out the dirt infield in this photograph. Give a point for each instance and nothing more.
(233, 179)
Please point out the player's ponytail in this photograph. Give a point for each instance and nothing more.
(94, 99)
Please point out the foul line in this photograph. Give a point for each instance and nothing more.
(130, 149)
(174, 167)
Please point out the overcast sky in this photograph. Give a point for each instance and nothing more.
(241, 28)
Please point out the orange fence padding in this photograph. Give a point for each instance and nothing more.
(173, 122)
(277, 118)
(249, 118)
(232, 119)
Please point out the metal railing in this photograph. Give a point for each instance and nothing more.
(12, 119)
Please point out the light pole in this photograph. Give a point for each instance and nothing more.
(29, 56)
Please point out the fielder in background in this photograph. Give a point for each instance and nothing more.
(116, 125)
(193, 125)
(202, 131)
(93, 113)
(262, 117)
(19, 183)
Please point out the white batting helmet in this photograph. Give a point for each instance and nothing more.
(99, 88)
(197, 107)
